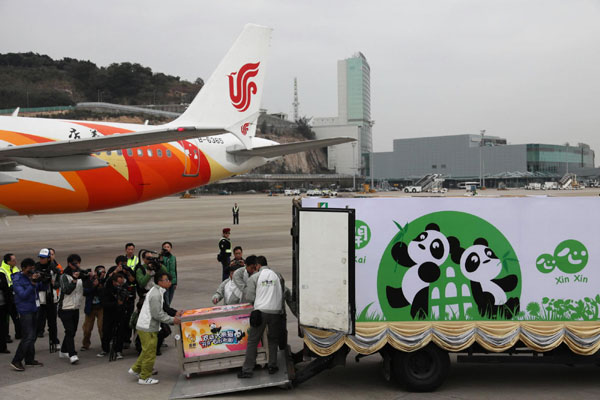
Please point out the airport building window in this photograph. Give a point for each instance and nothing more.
(140, 153)
(434, 166)
(119, 152)
(444, 166)
(149, 152)
(130, 152)
(158, 152)
(168, 153)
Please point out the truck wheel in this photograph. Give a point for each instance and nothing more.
(405, 190)
(423, 370)
(414, 190)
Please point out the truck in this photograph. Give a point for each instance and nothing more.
(414, 280)
(413, 189)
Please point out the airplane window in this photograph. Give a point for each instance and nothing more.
(149, 152)
(130, 152)
(120, 152)
(140, 153)
(168, 153)
(159, 152)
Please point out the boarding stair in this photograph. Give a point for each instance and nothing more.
(567, 181)
(426, 181)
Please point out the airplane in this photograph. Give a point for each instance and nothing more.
(50, 166)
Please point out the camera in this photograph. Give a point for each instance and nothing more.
(85, 273)
(122, 293)
(45, 275)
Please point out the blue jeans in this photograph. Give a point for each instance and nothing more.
(26, 349)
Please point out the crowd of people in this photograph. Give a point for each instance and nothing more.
(128, 301)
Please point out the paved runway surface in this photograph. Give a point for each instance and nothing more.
(194, 226)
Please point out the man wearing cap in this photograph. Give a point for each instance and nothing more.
(47, 309)
(225, 253)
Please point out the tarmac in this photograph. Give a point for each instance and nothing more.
(194, 226)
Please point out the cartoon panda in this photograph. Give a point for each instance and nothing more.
(423, 257)
(214, 328)
(481, 266)
(239, 335)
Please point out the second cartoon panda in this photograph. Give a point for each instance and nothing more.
(481, 266)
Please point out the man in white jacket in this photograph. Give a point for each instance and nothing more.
(148, 325)
(265, 291)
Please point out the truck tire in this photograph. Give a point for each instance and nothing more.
(405, 190)
(414, 190)
(423, 370)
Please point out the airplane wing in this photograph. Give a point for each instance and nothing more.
(87, 146)
(290, 148)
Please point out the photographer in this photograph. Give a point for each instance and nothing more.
(92, 291)
(114, 298)
(131, 286)
(170, 262)
(71, 296)
(50, 281)
(151, 315)
(146, 271)
(8, 268)
(25, 286)
(238, 259)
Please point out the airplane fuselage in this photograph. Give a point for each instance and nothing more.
(133, 175)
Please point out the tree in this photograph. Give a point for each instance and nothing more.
(303, 128)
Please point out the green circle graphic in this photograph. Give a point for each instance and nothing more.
(362, 234)
(571, 256)
(452, 292)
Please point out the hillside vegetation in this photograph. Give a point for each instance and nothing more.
(34, 80)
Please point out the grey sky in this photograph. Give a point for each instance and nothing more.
(524, 70)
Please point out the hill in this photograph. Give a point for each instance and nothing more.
(34, 80)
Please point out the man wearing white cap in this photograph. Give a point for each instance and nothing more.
(47, 310)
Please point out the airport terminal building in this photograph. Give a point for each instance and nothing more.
(465, 157)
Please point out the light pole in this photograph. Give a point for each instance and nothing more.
(567, 157)
(353, 166)
(481, 178)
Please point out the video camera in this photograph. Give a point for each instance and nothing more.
(85, 273)
(45, 275)
(153, 262)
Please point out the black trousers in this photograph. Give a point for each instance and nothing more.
(3, 326)
(47, 312)
(127, 331)
(70, 320)
(225, 264)
(236, 219)
(114, 327)
(14, 315)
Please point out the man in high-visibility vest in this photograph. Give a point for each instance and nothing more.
(132, 259)
(8, 268)
(236, 214)
(225, 253)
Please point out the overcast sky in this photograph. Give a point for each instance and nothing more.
(528, 71)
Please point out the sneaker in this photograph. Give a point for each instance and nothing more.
(74, 359)
(34, 363)
(132, 372)
(83, 348)
(273, 370)
(17, 365)
(119, 355)
(148, 381)
(101, 354)
(5, 351)
(62, 355)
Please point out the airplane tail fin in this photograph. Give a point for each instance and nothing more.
(231, 97)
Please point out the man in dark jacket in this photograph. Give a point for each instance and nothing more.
(225, 253)
(114, 298)
(92, 291)
(25, 288)
(47, 310)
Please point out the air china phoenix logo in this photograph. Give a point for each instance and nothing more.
(241, 88)
(245, 128)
